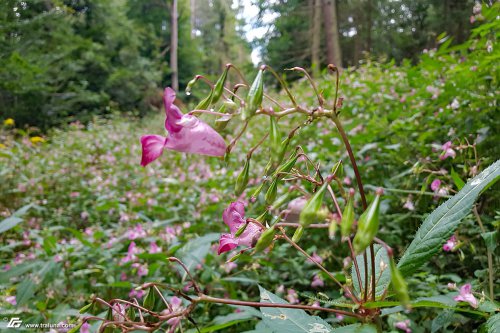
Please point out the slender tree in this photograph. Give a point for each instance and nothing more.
(333, 52)
(173, 47)
(315, 36)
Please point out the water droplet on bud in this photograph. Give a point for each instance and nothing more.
(188, 93)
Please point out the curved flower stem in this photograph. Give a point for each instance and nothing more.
(330, 275)
(233, 142)
(296, 225)
(274, 101)
(250, 152)
(209, 299)
(283, 84)
(311, 81)
(356, 266)
(239, 72)
(210, 112)
(488, 254)
(99, 300)
(195, 285)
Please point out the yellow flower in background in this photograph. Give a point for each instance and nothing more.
(36, 139)
(9, 122)
(2, 146)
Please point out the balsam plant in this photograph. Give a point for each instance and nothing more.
(374, 287)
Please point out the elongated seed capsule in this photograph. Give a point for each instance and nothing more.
(399, 285)
(287, 166)
(265, 240)
(254, 97)
(131, 313)
(312, 209)
(348, 216)
(150, 299)
(275, 138)
(242, 180)
(332, 229)
(297, 235)
(281, 200)
(367, 225)
(205, 103)
(284, 147)
(219, 86)
(257, 191)
(271, 193)
(241, 230)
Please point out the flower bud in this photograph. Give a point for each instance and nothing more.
(348, 216)
(150, 299)
(230, 105)
(367, 226)
(219, 86)
(399, 285)
(297, 235)
(254, 97)
(313, 211)
(271, 193)
(242, 180)
(190, 85)
(275, 138)
(265, 240)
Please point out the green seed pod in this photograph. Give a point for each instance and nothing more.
(254, 97)
(235, 257)
(257, 191)
(241, 230)
(281, 200)
(271, 193)
(190, 85)
(297, 235)
(131, 313)
(242, 180)
(86, 308)
(76, 328)
(399, 285)
(284, 146)
(332, 229)
(347, 216)
(275, 138)
(367, 226)
(230, 105)
(264, 217)
(288, 165)
(150, 299)
(205, 103)
(221, 122)
(312, 211)
(219, 86)
(265, 240)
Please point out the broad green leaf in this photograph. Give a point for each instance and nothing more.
(490, 238)
(25, 291)
(442, 320)
(356, 328)
(442, 222)
(459, 183)
(289, 320)
(9, 223)
(493, 324)
(383, 278)
(195, 251)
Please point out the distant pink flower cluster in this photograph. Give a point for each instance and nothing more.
(447, 151)
(175, 307)
(438, 189)
(186, 133)
(403, 325)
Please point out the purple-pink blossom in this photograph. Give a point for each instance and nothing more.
(292, 297)
(175, 307)
(403, 325)
(447, 151)
(234, 217)
(317, 281)
(11, 299)
(450, 244)
(465, 295)
(186, 133)
(85, 328)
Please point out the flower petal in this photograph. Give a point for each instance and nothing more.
(250, 236)
(152, 148)
(227, 242)
(196, 137)
(234, 216)
(172, 111)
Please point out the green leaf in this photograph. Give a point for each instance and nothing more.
(493, 324)
(459, 183)
(25, 291)
(442, 222)
(289, 320)
(356, 328)
(442, 320)
(382, 279)
(490, 238)
(9, 223)
(195, 251)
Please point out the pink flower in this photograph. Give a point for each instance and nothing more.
(317, 282)
(450, 244)
(403, 325)
(153, 248)
(136, 232)
(234, 217)
(85, 328)
(292, 296)
(436, 183)
(315, 258)
(339, 317)
(136, 293)
(186, 133)
(11, 299)
(229, 266)
(447, 151)
(465, 295)
(176, 306)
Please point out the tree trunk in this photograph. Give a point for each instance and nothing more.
(369, 8)
(192, 18)
(315, 36)
(333, 52)
(173, 47)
